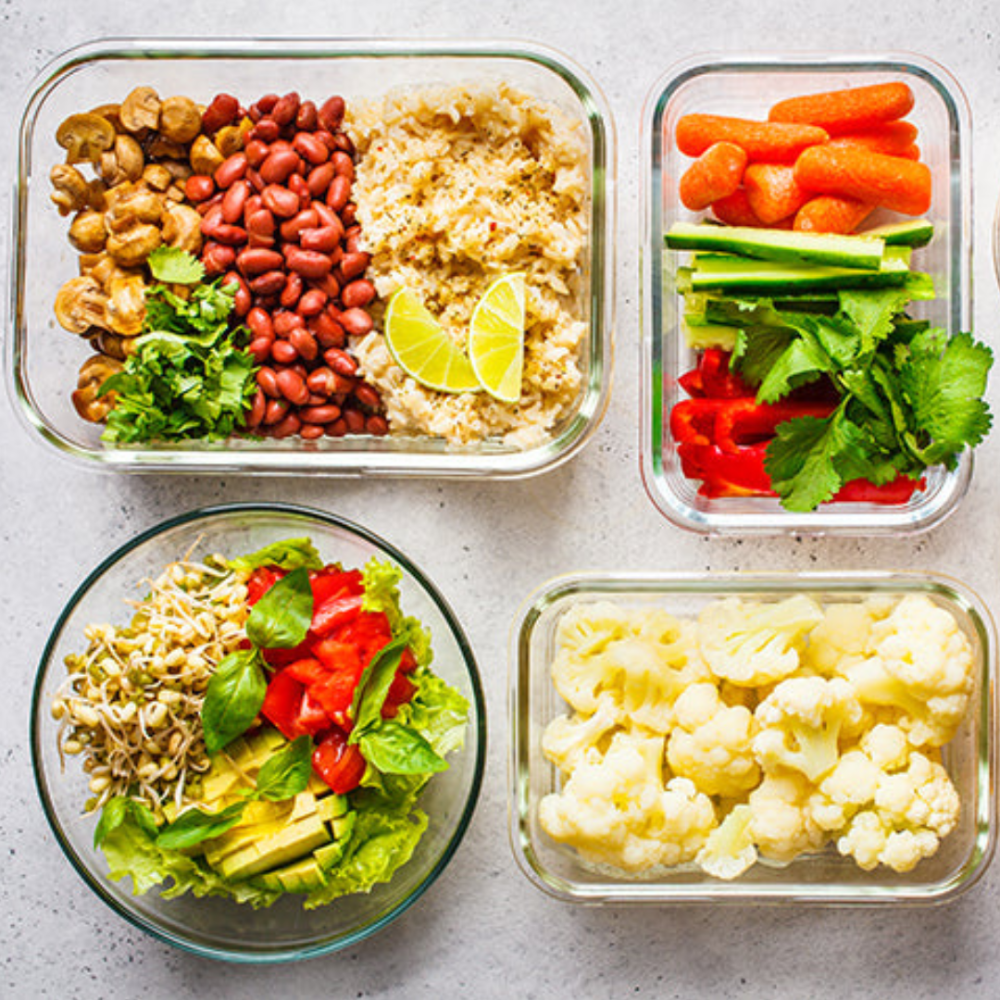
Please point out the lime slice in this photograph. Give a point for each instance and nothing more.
(496, 338)
(422, 348)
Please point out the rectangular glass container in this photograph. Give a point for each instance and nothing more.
(42, 358)
(824, 877)
(746, 86)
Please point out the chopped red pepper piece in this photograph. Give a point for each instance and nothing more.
(744, 421)
(693, 420)
(717, 381)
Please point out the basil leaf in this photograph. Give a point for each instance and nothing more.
(233, 698)
(281, 618)
(393, 748)
(373, 686)
(194, 826)
(120, 810)
(287, 772)
(289, 554)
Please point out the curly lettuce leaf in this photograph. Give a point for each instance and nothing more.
(291, 553)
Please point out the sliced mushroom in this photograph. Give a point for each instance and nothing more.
(87, 233)
(85, 137)
(131, 206)
(71, 189)
(140, 110)
(230, 139)
(80, 304)
(114, 345)
(180, 119)
(111, 112)
(180, 170)
(205, 157)
(157, 177)
(93, 374)
(133, 245)
(182, 228)
(126, 308)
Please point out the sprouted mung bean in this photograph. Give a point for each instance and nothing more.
(131, 705)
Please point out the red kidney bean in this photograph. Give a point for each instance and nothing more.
(298, 186)
(283, 352)
(257, 260)
(289, 426)
(279, 165)
(344, 142)
(256, 181)
(231, 169)
(328, 284)
(260, 348)
(376, 424)
(308, 263)
(343, 165)
(293, 291)
(303, 342)
(367, 396)
(260, 223)
(285, 321)
(286, 108)
(349, 213)
(352, 240)
(312, 302)
(307, 117)
(353, 265)
(292, 386)
(217, 258)
(293, 227)
(354, 419)
(319, 179)
(269, 283)
(234, 201)
(339, 192)
(280, 201)
(337, 429)
(356, 322)
(267, 103)
(311, 432)
(331, 113)
(358, 293)
(211, 219)
(324, 413)
(256, 414)
(225, 233)
(266, 130)
(327, 333)
(340, 361)
(259, 323)
(310, 148)
(199, 187)
(257, 152)
(320, 381)
(242, 301)
(204, 207)
(324, 239)
(223, 110)
(326, 137)
(267, 379)
(253, 204)
(275, 410)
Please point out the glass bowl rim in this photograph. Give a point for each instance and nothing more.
(96, 884)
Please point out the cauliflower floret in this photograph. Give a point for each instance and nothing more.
(753, 643)
(844, 634)
(921, 672)
(910, 811)
(643, 659)
(616, 811)
(569, 738)
(846, 789)
(801, 722)
(711, 744)
(729, 850)
(780, 823)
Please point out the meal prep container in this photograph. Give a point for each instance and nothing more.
(817, 878)
(219, 928)
(43, 359)
(746, 86)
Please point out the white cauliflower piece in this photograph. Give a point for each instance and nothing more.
(711, 743)
(801, 722)
(921, 674)
(616, 810)
(729, 850)
(849, 787)
(753, 643)
(844, 635)
(569, 738)
(780, 822)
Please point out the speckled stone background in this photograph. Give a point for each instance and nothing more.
(482, 930)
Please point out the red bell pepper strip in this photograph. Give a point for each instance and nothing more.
(744, 421)
(693, 420)
(737, 473)
(717, 381)
(899, 490)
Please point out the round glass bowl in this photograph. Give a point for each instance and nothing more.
(219, 928)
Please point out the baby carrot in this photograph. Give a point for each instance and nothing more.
(890, 137)
(775, 142)
(773, 192)
(715, 174)
(828, 214)
(735, 210)
(891, 181)
(839, 111)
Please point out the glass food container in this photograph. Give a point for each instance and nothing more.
(822, 877)
(43, 359)
(746, 86)
(220, 928)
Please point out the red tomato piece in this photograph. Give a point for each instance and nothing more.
(260, 582)
(337, 655)
(401, 690)
(339, 765)
(307, 671)
(282, 702)
(336, 691)
(312, 718)
(335, 612)
(332, 582)
(407, 662)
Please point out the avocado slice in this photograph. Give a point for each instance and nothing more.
(302, 876)
(263, 854)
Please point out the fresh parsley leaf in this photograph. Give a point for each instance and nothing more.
(281, 618)
(287, 772)
(194, 826)
(873, 311)
(287, 554)
(393, 748)
(758, 349)
(233, 698)
(801, 362)
(175, 266)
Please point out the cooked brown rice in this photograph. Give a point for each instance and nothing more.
(455, 187)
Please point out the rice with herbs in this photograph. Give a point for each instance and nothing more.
(456, 187)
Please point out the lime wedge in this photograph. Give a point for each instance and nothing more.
(423, 349)
(496, 338)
